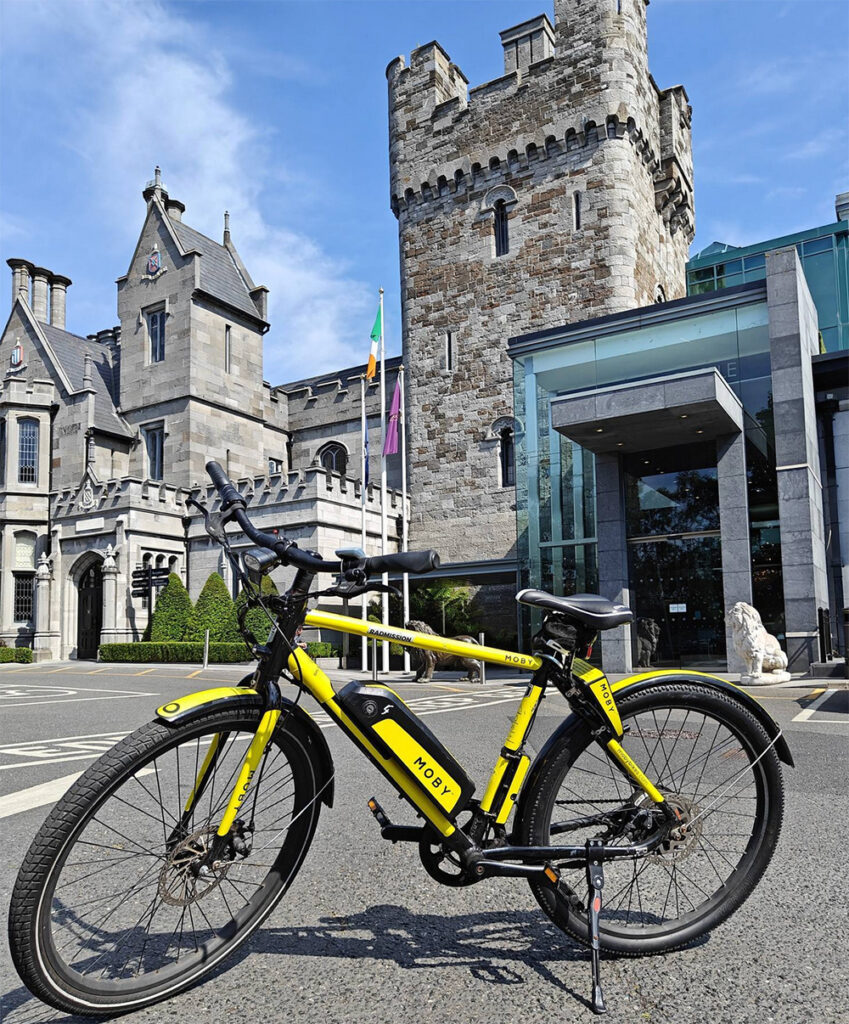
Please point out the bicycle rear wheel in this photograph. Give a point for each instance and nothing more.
(703, 751)
(109, 912)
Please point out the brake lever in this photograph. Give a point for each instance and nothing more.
(214, 522)
(351, 588)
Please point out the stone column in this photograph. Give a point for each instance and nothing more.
(616, 650)
(793, 340)
(45, 645)
(40, 277)
(108, 632)
(734, 532)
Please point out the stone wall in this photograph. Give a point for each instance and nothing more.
(588, 122)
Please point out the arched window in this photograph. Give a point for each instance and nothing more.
(577, 211)
(334, 457)
(27, 451)
(507, 455)
(659, 294)
(502, 240)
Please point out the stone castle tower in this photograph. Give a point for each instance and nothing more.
(558, 192)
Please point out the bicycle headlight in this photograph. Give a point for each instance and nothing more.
(257, 562)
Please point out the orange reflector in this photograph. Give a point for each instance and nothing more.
(372, 805)
(552, 875)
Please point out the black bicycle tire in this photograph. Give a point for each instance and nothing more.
(532, 830)
(54, 841)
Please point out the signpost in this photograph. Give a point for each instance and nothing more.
(145, 578)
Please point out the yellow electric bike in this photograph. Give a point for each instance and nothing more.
(646, 819)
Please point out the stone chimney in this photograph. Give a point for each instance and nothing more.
(527, 43)
(58, 290)
(175, 209)
(226, 227)
(841, 207)
(40, 277)
(21, 272)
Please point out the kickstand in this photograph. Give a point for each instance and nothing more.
(595, 883)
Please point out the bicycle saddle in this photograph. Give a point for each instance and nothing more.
(588, 609)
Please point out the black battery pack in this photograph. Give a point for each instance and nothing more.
(398, 734)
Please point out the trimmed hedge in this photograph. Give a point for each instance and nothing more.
(173, 652)
(23, 655)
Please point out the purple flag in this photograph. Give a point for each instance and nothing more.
(390, 445)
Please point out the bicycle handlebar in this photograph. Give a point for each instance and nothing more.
(287, 551)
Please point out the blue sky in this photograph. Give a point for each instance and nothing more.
(277, 112)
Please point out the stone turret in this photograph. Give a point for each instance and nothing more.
(559, 191)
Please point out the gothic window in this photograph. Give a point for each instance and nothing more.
(156, 334)
(334, 457)
(154, 443)
(576, 213)
(23, 596)
(502, 241)
(507, 455)
(275, 466)
(27, 451)
(2, 452)
(227, 348)
(659, 294)
(449, 350)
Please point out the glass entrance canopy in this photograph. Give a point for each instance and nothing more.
(555, 477)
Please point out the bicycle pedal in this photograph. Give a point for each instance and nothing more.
(379, 813)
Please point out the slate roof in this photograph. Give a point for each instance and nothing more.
(219, 275)
(70, 350)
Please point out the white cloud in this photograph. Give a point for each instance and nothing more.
(149, 87)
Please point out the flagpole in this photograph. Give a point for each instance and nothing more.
(404, 537)
(363, 489)
(385, 602)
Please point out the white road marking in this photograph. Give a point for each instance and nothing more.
(805, 716)
(65, 696)
(44, 793)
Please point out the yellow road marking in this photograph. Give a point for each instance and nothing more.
(97, 671)
(53, 671)
(144, 672)
(444, 686)
(196, 672)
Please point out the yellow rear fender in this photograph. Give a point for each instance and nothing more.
(293, 719)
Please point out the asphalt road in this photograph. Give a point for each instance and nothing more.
(365, 935)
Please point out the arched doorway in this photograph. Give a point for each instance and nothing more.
(89, 611)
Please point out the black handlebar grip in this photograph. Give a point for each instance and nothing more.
(404, 561)
(229, 494)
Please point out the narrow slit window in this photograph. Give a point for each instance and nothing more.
(154, 442)
(227, 348)
(449, 350)
(156, 333)
(576, 213)
(508, 457)
(502, 240)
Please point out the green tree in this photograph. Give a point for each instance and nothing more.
(434, 602)
(256, 620)
(171, 613)
(214, 611)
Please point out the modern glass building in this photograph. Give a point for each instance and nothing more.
(669, 456)
(824, 255)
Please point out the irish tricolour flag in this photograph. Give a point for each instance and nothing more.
(376, 332)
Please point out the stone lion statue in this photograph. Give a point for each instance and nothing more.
(764, 659)
(430, 660)
(648, 634)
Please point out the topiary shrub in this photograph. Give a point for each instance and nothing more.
(171, 613)
(214, 611)
(256, 620)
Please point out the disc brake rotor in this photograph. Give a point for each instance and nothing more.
(684, 838)
(179, 884)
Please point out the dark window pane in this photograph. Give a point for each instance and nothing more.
(23, 598)
(502, 242)
(27, 451)
(817, 245)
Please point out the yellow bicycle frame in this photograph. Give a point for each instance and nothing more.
(511, 768)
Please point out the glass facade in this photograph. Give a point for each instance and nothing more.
(824, 255)
(671, 502)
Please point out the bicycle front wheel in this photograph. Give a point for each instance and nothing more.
(705, 752)
(111, 912)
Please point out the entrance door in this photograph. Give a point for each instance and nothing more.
(90, 617)
(672, 519)
(677, 588)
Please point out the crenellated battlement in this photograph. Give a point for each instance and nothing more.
(596, 88)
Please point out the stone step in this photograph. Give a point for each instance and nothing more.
(835, 669)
